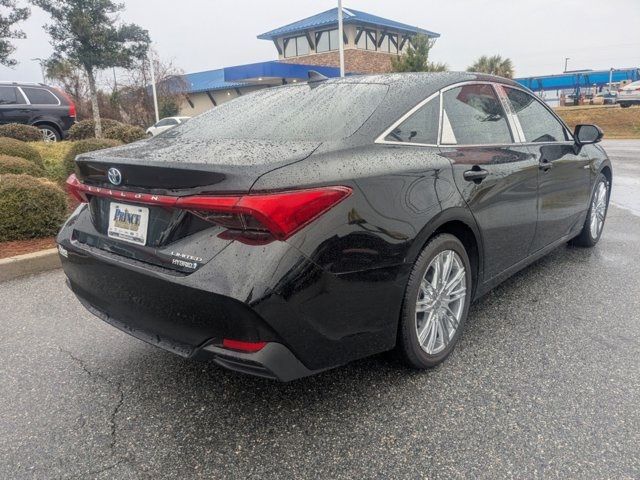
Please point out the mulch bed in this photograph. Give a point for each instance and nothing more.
(20, 247)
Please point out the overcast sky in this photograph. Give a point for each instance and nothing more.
(537, 35)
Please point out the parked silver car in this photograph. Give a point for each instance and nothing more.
(165, 124)
(629, 95)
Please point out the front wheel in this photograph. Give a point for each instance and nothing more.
(594, 223)
(436, 302)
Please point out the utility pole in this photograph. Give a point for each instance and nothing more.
(153, 89)
(566, 64)
(340, 38)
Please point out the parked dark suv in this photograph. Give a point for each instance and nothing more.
(49, 109)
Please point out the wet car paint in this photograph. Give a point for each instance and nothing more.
(332, 292)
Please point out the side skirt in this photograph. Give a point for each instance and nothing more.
(486, 287)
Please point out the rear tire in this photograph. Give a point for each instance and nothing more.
(436, 302)
(596, 216)
(49, 133)
(625, 105)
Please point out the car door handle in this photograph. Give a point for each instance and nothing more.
(545, 165)
(475, 175)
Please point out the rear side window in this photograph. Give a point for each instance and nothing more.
(40, 96)
(473, 115)
(421, 127)
(10, 96)
(537, 123)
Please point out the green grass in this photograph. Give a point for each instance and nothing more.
(53, 157)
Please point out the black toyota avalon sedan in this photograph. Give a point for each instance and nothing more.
(299, 228)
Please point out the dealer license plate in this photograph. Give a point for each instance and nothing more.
(128, 223)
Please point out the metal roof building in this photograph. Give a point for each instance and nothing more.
(370, 42)
(350, 17)
(579, 80)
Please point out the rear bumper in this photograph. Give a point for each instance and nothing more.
(274, 361)
(272, 293)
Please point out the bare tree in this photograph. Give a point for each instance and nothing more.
(135, 97)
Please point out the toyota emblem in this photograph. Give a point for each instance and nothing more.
(114, 175)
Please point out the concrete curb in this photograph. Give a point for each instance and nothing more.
(28, 264)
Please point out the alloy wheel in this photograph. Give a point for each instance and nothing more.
(598, 210)
(440, 302)
(48, 135)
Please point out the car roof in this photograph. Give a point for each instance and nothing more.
(423, 79)
(22, 84)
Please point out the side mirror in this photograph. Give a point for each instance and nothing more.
(587, 134)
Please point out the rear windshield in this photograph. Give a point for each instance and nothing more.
(298, 112)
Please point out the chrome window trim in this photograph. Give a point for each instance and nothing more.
(512, 117)
(514, 125)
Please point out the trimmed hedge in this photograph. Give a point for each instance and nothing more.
(85, 146)
(125, 133)
(30, 207)
(18, 148)
(26, 133)
(86, 128)
(17, 165)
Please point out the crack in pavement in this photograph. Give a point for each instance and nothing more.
(114, 412)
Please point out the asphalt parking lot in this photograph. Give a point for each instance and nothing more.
(545, 383)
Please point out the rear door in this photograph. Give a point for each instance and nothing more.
(564, 172)
(496, 176)
(13, 105)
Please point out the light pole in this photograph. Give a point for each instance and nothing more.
(41, 62)
(566, 64)
(340, 38)
(153, 89)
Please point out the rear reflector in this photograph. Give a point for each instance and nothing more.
(249, 347)
(279, 213)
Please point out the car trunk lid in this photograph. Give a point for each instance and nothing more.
(153, 170)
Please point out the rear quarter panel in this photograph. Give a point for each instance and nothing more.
(397, 192)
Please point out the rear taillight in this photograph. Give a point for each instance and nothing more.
(72, 106)
(242, 346)
(74, 188)
(279, 214)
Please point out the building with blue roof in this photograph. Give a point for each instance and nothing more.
(369, 41)
(302, 46)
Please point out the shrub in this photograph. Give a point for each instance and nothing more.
(19, 166)
(26, 133)
(30, 207)
(85, 146)
(125, 133)
(86, 128)
(17, 148)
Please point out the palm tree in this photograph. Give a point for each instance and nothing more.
(494, 65)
